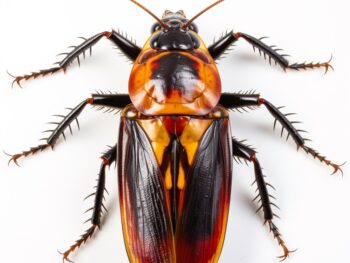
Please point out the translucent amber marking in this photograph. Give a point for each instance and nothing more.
(181, 178)
(157, 135)
(192, 134)
(168, 179)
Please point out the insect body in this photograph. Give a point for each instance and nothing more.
(175, 149)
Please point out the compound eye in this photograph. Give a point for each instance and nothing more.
(154, 41)
(195, 41)
(155, 27)
(193, 27)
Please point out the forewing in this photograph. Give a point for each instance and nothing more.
(147, 229)
(201, 227)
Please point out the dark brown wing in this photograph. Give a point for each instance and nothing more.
(201, 227)
(147, 229)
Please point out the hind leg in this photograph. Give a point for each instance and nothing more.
(97, 210)
(239, 150)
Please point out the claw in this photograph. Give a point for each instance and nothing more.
(10, 74)
(323, 159)
(286, 252)
(327, 65)
(14, 157)
(16, 79)
(337, 167)
(277, 235)
(65, 257)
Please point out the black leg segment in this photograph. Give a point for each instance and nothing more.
(109, 101)
(240, 150)
(270, 52)
(236, 101)
(218, 48)
(126, 46)
(116, 101)
(97, 210)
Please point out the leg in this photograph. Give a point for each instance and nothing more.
(234, 101)
(242, 151)
(219, 47)
(128, 48)
(107, 159)
(110, 101)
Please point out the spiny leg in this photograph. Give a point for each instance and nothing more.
(238, 100)
(127, 47)
(54, 134)
(239, 150)
(97, 210)
(219, 47)
(109, 101)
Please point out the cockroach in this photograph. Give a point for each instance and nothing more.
(174, 151)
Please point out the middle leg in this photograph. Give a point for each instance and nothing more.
(237, 100)
(109, 101)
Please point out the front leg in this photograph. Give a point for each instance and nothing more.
(126, 46)
(236, 101)
(271, 52)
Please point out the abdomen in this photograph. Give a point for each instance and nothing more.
(174, 186)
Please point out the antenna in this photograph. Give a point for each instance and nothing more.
(200, 13)
(149, 12)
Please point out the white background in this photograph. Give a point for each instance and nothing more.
(41, 202)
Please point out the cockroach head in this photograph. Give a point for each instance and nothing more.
(175, 20)
(174, 31)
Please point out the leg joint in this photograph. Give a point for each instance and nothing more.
(90, 101)
(237, 35)
(105, 161)
(108, 34)
(261, 101)
(253, 157)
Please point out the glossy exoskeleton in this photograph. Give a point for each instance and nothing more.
(174, 152)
